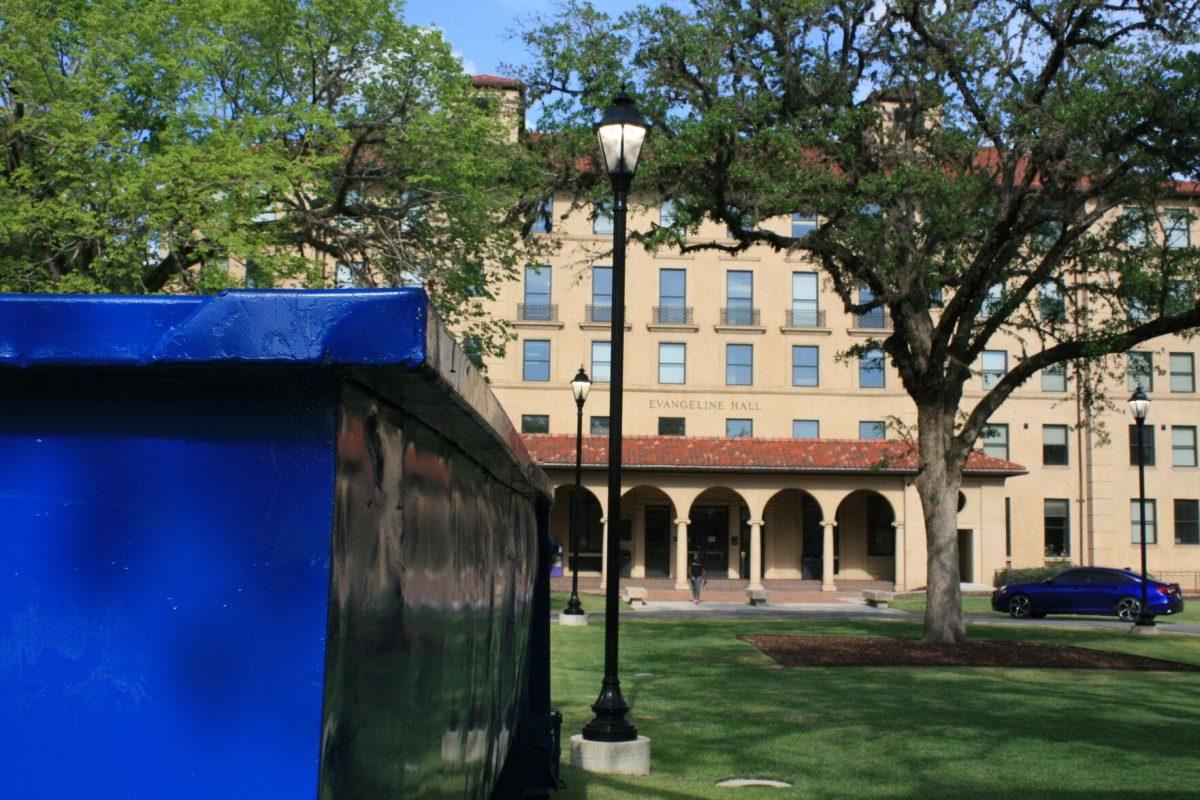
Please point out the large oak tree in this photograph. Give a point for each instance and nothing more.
(983, 168)
(144, 146)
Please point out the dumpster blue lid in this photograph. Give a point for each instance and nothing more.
(387, 339)
(370, 327)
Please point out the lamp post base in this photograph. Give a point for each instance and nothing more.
(571, 620)
(611, 758)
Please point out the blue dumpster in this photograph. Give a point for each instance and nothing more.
(262, 545)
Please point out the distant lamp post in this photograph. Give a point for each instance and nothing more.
(580, 385)
(621, 133)
(1139, 404)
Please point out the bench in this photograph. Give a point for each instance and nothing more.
(758, 597)
(877, 598)
(635, 596)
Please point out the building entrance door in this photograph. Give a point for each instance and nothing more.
(658, 541)
(966, 557)
(709, 533)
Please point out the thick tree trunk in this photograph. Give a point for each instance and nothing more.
(938, 481)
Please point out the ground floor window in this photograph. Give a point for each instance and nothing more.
(1135, 518)
(739, 428)
(1187, 522)
(672, 426)
(1057, 526)
(535, 423)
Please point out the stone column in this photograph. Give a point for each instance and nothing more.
(898, 582)
(756, 553)
(827, 556)
(681, 553)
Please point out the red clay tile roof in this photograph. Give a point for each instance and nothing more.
(750, 454)
(495, 82)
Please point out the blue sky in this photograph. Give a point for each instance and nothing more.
(478, 29)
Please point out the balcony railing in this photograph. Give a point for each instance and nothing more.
(877, 318)
(805, 318)
(600, 314)
(740, 316)
(537, 312)
(673, 315)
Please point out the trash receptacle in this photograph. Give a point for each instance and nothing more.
(258, 545)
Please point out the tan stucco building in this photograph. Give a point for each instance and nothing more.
(724, 346)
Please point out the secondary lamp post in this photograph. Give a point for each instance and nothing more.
(621, 133)
(580, 385)
(1139, 404)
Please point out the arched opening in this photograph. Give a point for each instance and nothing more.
(591, 531)
(865, 539)
(793, 540)
(720, 533)
(647, 529)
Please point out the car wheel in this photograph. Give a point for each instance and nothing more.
(1019, 606)
(1128, 608)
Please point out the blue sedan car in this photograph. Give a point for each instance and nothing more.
(1088, 590)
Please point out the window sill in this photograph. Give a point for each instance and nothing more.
(813, 331)
(663, 326)
(543, 324)
(756, 329)
(868, 332)
(601, 326)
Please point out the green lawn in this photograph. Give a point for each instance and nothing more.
(716, 708)
(983, 605)
(591, 602)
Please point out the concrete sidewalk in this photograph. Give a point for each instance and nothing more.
(852, 607)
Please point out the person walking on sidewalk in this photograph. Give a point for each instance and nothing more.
(697, 573)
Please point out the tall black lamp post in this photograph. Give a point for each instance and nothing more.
(580, 385)
(1139, 404)
(621, 133)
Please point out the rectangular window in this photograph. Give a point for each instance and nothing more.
(739, 364)
(672, 288)
(1187, 522)
(1054, 445)
(1050, 302)
(805, 368)
(1135, 518)
(872, 429)
(1183, 372)
(1056, 516)
(537, 360)
(602, 218)
(672, 426)
(666, 213)
(1176, 228)
(1054, 378)
(805, 306)
(544, 220)
(535, 423)
(870, 370)
(803, 223)
(993, 365)
(739, 428)
(601, 294)
(598, 426)
(995, 440)
(1147, 444)
(1135, 222)
(994, 299)
(806, 429)
(537, 294)
(872, 318)
(1183, 446)
(601, 362)
(347, 275)
(672, 360)
(1140, 371)
(739, 297)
